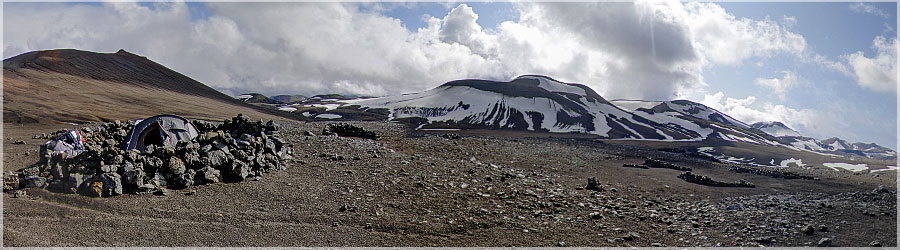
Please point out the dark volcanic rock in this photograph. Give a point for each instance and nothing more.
(214, 154)
(593, 185)
(112, 184)
(208, 175)
(703, 180)
(347, 130)
(824, 242)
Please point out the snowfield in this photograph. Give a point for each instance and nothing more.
(329, 116)
(846, 166)
(287, 108)
(796, 162)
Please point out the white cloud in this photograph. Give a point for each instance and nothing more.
(742, 109)
(880, 72)
(868, 8)
(723, 38)
(459, 26)
(645, 49)
(779, 86)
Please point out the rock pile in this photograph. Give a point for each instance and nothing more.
(234, 150)
(654, 163)
(348, 130)
(774, 173)
(704, 180)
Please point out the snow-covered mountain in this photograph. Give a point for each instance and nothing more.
(697, 110)
(835, 143)
(540, 103)
(256, 98)
(530, 102)
(707, 122)
(862, 149)
(775, 128)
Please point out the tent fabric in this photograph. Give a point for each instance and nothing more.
(161, 130)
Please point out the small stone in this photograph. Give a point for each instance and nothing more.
(823, 228)
(765, 239)
(807, 230)
(593, 185)
(160, 192)
(596, 215)
(656, 244)
(20, 142)
(109, 168)
(19, 194)
(875, 244)
(882, 189)
(561, 244)
(630, 236)
(307, 133)
(824, 242)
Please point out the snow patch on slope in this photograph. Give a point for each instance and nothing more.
(847, 166)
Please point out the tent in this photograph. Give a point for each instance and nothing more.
(161, 130)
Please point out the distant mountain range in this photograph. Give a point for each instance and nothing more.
(540, 103)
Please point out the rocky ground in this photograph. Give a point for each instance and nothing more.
(421, 189)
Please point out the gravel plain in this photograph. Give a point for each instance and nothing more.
(411, 188)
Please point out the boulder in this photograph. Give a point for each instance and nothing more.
(57, 165)
(217, 158)
(192, 159)
(152, 164)
(10, 181)
(184, 180)
(175, 166)
(34, 182)
(239, 170)
(133, 177)
(208, 175)
(112, 184)
(92, 188)
(73, 182)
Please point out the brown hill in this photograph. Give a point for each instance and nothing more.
(68, 85)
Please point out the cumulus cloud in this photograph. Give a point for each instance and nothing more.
(779, 86)
(459, 26)
(742, 109)
(868, 8)
(652, 49)
(725, 39)
(880, 72)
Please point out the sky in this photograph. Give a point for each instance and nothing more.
(824, 69)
